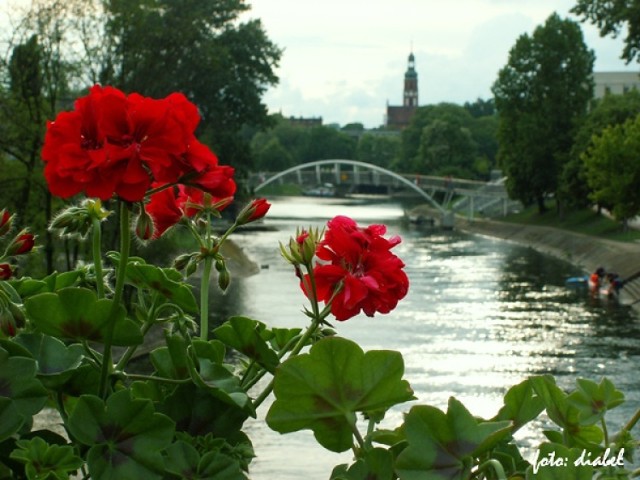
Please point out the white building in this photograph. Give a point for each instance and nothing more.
(615, 82)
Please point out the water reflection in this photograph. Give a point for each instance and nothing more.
(481, 315)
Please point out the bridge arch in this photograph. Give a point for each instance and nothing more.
(356, 163)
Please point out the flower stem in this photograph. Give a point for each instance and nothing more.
(632, 423)
(125, 243)
(204, 298)
(97, 255)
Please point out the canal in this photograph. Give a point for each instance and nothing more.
(481, 315)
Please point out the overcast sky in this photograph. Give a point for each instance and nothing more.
(345, 59)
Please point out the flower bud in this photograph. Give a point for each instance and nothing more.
(6, 272)
(182, 261)
(7, 322)
(223, 275)
(6, 219)
(23, 243)
(144, 226)
(254, 211)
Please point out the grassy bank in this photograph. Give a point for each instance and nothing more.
(587, 222)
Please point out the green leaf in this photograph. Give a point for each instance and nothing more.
(245, 335)
(557, 462)
(197, 412)
(445, 445)
(282, 336)
(204, 360)
(594, 400)
(46, 462)
(521, 405)
(56, 362)
(76, 313)
(185, 461)
(171, 361)
(155, 278)
(375, 464)
(323, 389)
(21, 394)
(125, 435)
(565, 415)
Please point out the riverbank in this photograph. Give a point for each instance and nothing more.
(585, 251)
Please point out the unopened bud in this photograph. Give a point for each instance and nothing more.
(7, 322)
(191, 266)
(6, 220)
(182, 261)
(22, 244)
(144, 226)
(254, 211)
(224, 279)
(6, 272)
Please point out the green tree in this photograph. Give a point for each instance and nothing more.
(541, 95)
(328, 143)
(273, 157)
(608, 111)
(34, 84)
(378, 149)
(446, 148)
(481, 108)
(203, 49)
(613, 17)
(613, 170)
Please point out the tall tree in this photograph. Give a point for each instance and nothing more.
(608, 111)
(613, 170)
(203, 49)
(612, 17)
(541, 95)
(35, 79)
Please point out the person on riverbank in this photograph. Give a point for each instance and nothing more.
(595, 280)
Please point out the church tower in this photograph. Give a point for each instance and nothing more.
(399, 117)
(411, 83)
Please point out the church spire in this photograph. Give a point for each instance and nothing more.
(410, 95)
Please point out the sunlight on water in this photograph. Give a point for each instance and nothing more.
(481, 315)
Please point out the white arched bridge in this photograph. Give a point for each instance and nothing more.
(447, 195)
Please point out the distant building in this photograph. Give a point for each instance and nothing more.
(615, 82)
(398, 117)
(305, 122)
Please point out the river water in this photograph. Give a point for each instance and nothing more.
(481, 315)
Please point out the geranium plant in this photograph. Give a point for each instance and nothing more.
(67, 339)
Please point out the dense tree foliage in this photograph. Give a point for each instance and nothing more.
(613, 17)
(609, 111)
(446, 139)
(613, 170)
(541, 95)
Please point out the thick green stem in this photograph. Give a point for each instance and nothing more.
(204, 298)
(632, 423)
(97, 255)
(125, 244)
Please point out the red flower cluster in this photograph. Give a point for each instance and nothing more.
(113, 143)
(168, 206)
(361, 264)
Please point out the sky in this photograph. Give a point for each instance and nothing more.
(344, 60)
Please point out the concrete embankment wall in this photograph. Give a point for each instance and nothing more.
(584, 251)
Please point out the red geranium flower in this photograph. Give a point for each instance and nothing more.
(165, 210)
(112, 143)
(23, 243)
(369, 278)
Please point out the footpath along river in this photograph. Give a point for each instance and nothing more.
(481, 315)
